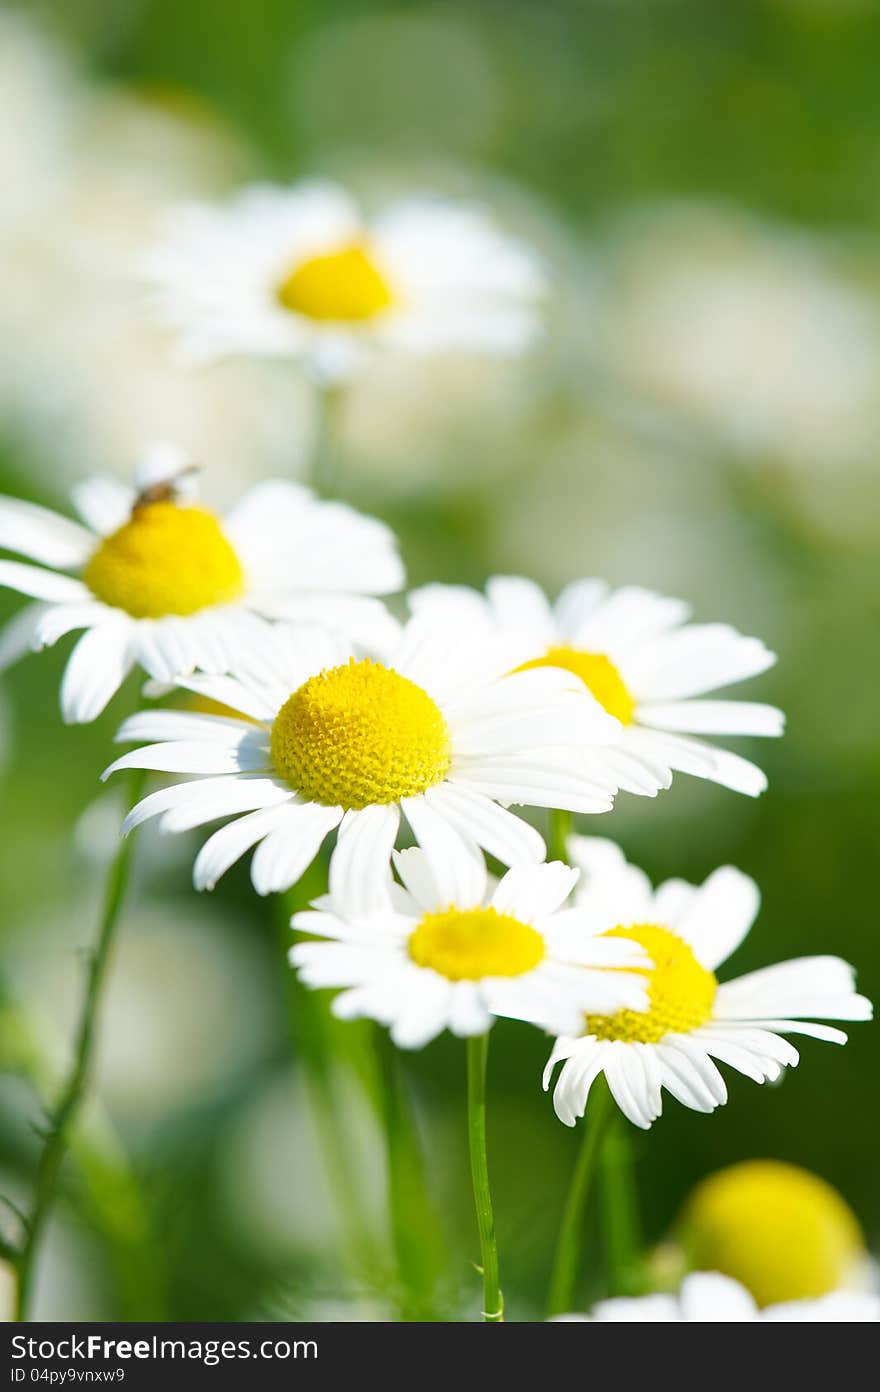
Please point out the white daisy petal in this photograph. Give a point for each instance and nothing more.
(292, 845)
(498, 831)
(42, 535)
(230, 843)
(719, 915)
(18, 635)
(192, 756)
(104, 504)
(531, 893)
(95, 670)
(164, 725)
(42, 584)
(823, 986)
(714, 718)
(61, 619)
(360, 864)
(694, 660)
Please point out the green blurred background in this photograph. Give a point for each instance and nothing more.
(703, 180)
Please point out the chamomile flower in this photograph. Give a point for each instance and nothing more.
(159, 581)
(640, 658)
(301, 272)
(449, 949)
(327, 739)
(692, 1018)
(707, 1297)
(783, 1232)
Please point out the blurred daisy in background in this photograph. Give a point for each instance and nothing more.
(301, 272)
(86, 169)
(437, 731)
(707, 1297)
(783, 1232)
(451, 949)
(688, 931)
(635, 653)
(745, 331)
(164, 583)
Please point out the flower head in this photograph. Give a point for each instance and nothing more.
(691, 1018)
(437, 730)
(710, 1298)
(157, 580)
(449, 949)
(784, 1233)
(301, 272)
(639, 658)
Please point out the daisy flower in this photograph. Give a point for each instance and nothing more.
(783, 1232)
(301, 272)
(159, 581)
(451, 949)
(437, 731)
(687, 932)
(707, 1297)
(638, 656)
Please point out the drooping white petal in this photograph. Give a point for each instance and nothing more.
(360, 867)
(230, 843)
(95, 670)
(17, 636)
(61, 619)
(451, 856)
(289, 849)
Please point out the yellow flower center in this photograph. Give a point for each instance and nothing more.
(165, 560)
(360, 734)
(470, 944)
(781, 1231)
(597, 672)
(681, 993)
(344, 285)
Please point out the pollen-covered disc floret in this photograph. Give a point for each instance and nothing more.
(598, 674)
(344, 285)
(166, 559)
(469, 944)
(360, 734)
(681, 992)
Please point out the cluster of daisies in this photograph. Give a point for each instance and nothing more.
(301, 709)
(315, 715)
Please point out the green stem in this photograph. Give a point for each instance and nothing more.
(560, 829)
(326, 468)
(414, 1227)
(311, 1032)
(477, 1056)
(569, 1244)
(57, 1137)
(619, 1210)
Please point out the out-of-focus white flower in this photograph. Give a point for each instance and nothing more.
(783, 1232)
(85, 376)
(748, 332)
(709, 1298)
(303, 273)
